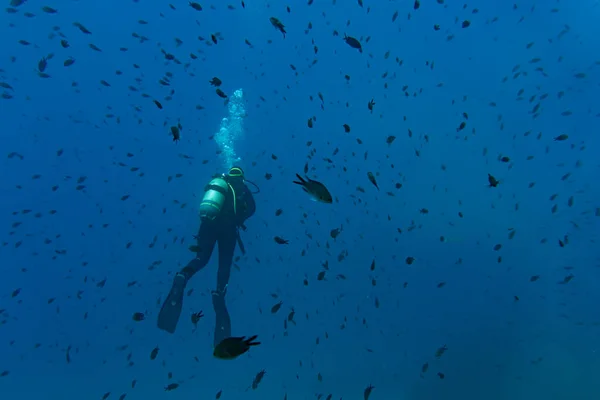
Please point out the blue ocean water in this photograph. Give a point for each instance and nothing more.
(433, 285)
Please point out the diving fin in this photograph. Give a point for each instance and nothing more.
(171, 309)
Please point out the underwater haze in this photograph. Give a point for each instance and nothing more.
(459, 258)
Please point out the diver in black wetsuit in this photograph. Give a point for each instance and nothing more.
(226, 205)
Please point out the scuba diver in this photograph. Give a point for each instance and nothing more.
(226, 205)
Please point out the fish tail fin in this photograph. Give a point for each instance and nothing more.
(300, 179)
(250, 341)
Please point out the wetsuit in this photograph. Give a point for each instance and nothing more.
(223, 230)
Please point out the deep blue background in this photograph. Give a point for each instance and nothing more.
(543, 346)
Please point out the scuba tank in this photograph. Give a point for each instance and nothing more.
(214, 198)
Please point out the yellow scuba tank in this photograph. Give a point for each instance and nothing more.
(214, 198)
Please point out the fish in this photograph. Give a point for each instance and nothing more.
(233, 347)
(277, 24)
(316, 190)
(493, 182)
(259, 377)
(137, 317)
(371, 177)
(353, 42)
(276, 307)
(280, 240)
(196, 318)
(175, 132)
(195, 6)
(154, 353)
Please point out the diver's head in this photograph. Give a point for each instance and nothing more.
(236, 174)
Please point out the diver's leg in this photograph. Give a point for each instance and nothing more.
(206, 240)
(227, 241)
(171, 309)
